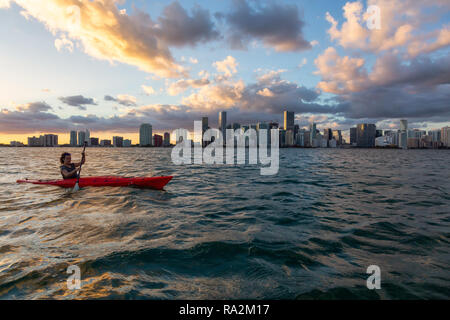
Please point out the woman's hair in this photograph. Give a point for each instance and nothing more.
(63, 156)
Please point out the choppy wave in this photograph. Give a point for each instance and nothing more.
(309, 232)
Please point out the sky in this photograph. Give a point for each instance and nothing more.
(110, 65)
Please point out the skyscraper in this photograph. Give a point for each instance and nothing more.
(204, 124)
(445, 136)
(403, 134)
(81, 137)
(223, 123)
(312, 133)
(365, 135)
(337, 135)
(118, 142)
(289, 120)
(403, 125)
(73, 138)
(166, 139)
(88, 137)
(145, 135)
(352, 136)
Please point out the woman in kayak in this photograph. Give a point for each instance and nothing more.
(69, 169)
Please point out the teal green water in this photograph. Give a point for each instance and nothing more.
(224, 232)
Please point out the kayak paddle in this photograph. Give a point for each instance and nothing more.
(77, 187)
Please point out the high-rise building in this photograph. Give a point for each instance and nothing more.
(312, 133)
(205, 124)
(337, 135)
(118, 142)
(158, 140)
(289, 120)
(403, 125)
(73, 138)
(88, 137)
(289, 138)
(50, 140)
(93, 142)
(352, 136)
(365, 135)
(166, 142)
(223, 123)
(81, 137)
(327, 134)
(145, 135)
(445, 136)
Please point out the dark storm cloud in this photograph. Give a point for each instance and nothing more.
(78, 101)
(178, 28)
(419, 89)
(277, 26)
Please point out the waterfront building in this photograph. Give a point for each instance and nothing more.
(337, 135)
(158, 140)
(73, 139)
(403, 125)
(223, 123)
(300, 138)
(365, 135)
(93, 142)
(353, 136)
(166, 142)
(289, 138)
(145, 135)
(327, 134)
(126, 143)
(105, 143)
(16, 144)
(282, 135)
(88, 137)
(445, 137)
(289, 117)
(312, 133)
(81, 138)
(413, 143)
(118, 142)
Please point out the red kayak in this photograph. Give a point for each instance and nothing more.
(147, 182)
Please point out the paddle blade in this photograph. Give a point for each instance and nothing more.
(76, 188)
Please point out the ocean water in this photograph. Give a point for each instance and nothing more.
(226, 232)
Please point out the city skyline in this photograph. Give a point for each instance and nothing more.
(250, 60)
(365, 135)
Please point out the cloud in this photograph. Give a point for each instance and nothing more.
(62, 43)
(77, 101)
(177, 28)
(393, 88)
(108, 33)
(227, 66)
(182, 85)
(277, 26)
(402, 27)
(34, 107)
(123, 99)
(340, 74)
(5, 4)
(148, 90)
